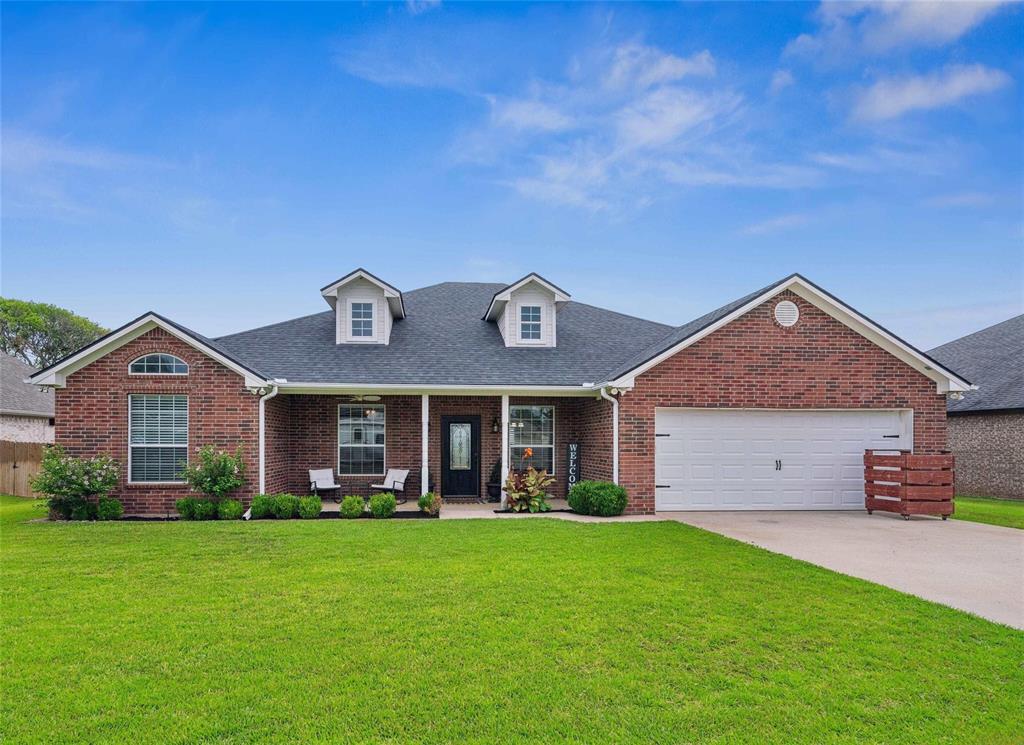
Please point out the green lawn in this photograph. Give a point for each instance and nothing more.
(481, 631)
(1006, 512)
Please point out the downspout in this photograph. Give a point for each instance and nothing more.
(263, 437)
(615, 434)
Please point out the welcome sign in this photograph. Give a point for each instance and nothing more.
(573, 464)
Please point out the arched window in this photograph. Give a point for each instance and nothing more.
(158, 364)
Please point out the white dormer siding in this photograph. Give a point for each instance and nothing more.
(526, 312)
(529, 298)
(362, 292)
(364, 308)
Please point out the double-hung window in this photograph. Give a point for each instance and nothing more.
(361, 439)
(362, 320)
(532, 428)
(529, 322)
(157, 437)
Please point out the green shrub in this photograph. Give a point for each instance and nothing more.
(109, 509)
(83, 511)
(262, 506)
(215, 473)
(186, 507)
(285, 506)
(352, 506)
(310, 507)
(430, 503)
(230, 509)
(73, 485)
(204, 509)
(528, 491)
(601, 498)
(383, 505)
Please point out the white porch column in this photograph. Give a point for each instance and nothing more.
(425, 452)
(504, 447)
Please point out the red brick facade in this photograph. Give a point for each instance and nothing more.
(755, 363)
(92, 413)
(750, 363)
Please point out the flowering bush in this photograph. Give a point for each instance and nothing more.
(527, 490)
(73, 486)
(215, 473)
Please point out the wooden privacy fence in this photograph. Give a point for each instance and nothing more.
(899, 481)
(19, 461)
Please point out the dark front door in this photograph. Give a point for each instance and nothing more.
(460, 456)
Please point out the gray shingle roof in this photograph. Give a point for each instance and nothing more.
(993, 359)
(17, 396)
(443, 341)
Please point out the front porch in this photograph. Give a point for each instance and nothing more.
(451, 444)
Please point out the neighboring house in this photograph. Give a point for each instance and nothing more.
(986, 427)
(765, 403)
(26, 411)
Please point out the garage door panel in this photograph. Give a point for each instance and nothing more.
(764, 459)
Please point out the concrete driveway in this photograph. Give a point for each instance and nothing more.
(974, 567)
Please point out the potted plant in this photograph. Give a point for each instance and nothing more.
(494, 482)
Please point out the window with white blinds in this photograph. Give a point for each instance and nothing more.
(157, 437)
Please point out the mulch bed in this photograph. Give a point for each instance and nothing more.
(527, 512)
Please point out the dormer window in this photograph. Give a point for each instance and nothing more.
(365, 308)
(529, 323)
(526, 312)
(362, 320)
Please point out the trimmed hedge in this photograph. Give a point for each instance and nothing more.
(430, 503)
(230, 509)
(352, 506)
(286, 506)
(262, 506)
(383, 505)
(310, 507)
(109, 509)
(601, 498)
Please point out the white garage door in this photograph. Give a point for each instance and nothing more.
(740, 459)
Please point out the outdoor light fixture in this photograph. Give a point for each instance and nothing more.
(496, 425)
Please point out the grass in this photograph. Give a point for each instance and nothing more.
(476, 631)
(1006, 512)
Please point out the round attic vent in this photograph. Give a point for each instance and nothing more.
(786, 313)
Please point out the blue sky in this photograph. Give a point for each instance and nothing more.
(220, 163)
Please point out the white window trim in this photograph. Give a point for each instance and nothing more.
(130, 446)
(554, 433)
(188, 367)
(337, 441)
(519, 324)
(372, 338)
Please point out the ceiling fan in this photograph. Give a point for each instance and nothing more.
(366, 398)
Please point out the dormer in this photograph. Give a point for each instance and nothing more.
(365, 308)
(526, 312)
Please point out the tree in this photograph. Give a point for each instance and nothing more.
(40, 334)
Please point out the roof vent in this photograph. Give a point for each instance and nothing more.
(786, 313)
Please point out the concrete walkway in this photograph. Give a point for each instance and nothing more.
(974, 567)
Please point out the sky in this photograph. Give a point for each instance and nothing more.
(220, 163)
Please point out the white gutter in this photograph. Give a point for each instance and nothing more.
(263, 437)
(615, 434)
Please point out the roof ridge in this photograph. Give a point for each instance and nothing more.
(985, 330)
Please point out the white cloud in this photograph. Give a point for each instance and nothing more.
(775, 224)
(638, 66)
(892, 97)
(24, 151)
(781, 80)
(848, 29)
(524, 114)
(663, 115)
(416, 7)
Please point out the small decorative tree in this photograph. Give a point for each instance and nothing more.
(527, 490)
(215, 473)
(74, 486)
